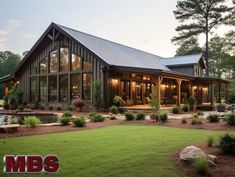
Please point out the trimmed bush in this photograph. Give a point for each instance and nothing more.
(32, 121)
(140, 116)
(114, 109)
(97, 118)
(92, 114)
(118, 101)
(79, 122)
(67, 114)
(163, 116)
(201, 164)
(192, 103)
(65, 121)
(230, 119)
(210, 141)
(198, 120)
(154, 117)
(183, 120)
(129, 116)
(213, 118)
(185, 108)
(227, 143)
(175, 110)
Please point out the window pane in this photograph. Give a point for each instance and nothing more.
(76, 62)
(43, 66)
(52, 88)
(53, 61)
(87, 64)
(33, 89)
(75, 84)
(43, 88)
(33, 68)
(86, 86)
(64, 59)
(63, 88)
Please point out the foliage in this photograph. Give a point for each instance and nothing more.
(114, 110)
(154, 101)
(118, 101)
(163, 116)
(5, 103)
(192, 102)
(183, 120)
(129, 116)
(21, 107)
(201, 164)
(176, 110)
(210, 141)
(92, 114)
(32, 121)
(79, 122)
(65, 121)
(227, 143)
(97, 93)
(140, 116)
(67, 114)
(213, 118)
(97, 118)
(185, 108)
(230, 119)
(197, 120)
(153, 117)
(78, 103)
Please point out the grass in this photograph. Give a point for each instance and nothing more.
(1, 102)
(117, 151)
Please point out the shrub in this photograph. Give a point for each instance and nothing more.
(79, 122)
(118, 101)
(185, 108)
(210, 141)
(78, 103)
(192, 102)
(176, 110)
(227, 144)
(114, 110)
(97, 93)
(183, 120)
(213, 118)
(198, 120)
(97, 118)
(230, 119)
(32, 121)
(195, 116)
(65, 121)
(67, 114)
(92, 114)
(129, 116)
(201, 164)
(153, 116)
(163, 116)
(140, 116)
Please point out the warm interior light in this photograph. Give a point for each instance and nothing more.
(114, 81)
(18, 82)
(195, 87)
(174, 86)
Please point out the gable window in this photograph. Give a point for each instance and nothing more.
(64, 59)
(43, 66)
(63, 87)
(54, 61)
(75, 63)
(33, 89)
(33, 68)
(87, 62)
(43, 88)
(86, 86)
(52, 88)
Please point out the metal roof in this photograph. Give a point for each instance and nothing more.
(182, 60)
(116, 54)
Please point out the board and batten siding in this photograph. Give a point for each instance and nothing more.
(43, 50)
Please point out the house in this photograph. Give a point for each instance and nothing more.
(63, 63)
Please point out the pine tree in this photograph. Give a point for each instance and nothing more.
(198, 17)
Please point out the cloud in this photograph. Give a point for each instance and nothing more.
(3, 39)
(13, 24)
(29, 35)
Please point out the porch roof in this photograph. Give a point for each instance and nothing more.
(211, 79)
(7, 78)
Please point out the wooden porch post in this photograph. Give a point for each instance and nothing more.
(219, 87)
(159, 81)
(212, 93)
(191, 89)
(178, 100)
(6, 88)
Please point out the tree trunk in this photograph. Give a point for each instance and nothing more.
(207, 51)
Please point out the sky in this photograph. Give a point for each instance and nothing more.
(148, 25)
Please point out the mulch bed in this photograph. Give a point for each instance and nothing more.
(225, 164)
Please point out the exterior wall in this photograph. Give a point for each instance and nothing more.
(184, 69)
(43, 50)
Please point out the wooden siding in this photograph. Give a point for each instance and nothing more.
(184, 69)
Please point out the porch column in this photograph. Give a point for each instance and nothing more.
(191, 88)
(226, 92)
(219, 87)
(5, 88)
(159, 81)
(178, 100)
(212, 93)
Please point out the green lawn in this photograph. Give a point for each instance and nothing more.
(123, 151)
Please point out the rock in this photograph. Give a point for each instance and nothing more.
(190, 153)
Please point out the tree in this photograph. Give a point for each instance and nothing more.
(188, 47)
(97, 93)
(154, 101)
(198, 17)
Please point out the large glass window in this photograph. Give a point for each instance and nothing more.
(76, 62)
(33, 68)
(52, 88)
(75, 84)
(33, 88)
(87, 63)
(43, 66)
(63, 87)
(54, 61)
(86, 86)
(64, 59)
(43, 88)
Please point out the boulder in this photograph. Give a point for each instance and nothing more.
(190, 153)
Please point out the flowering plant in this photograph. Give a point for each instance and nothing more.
(78, 103)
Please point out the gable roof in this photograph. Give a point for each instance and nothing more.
(183, 60)
(116, 54)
